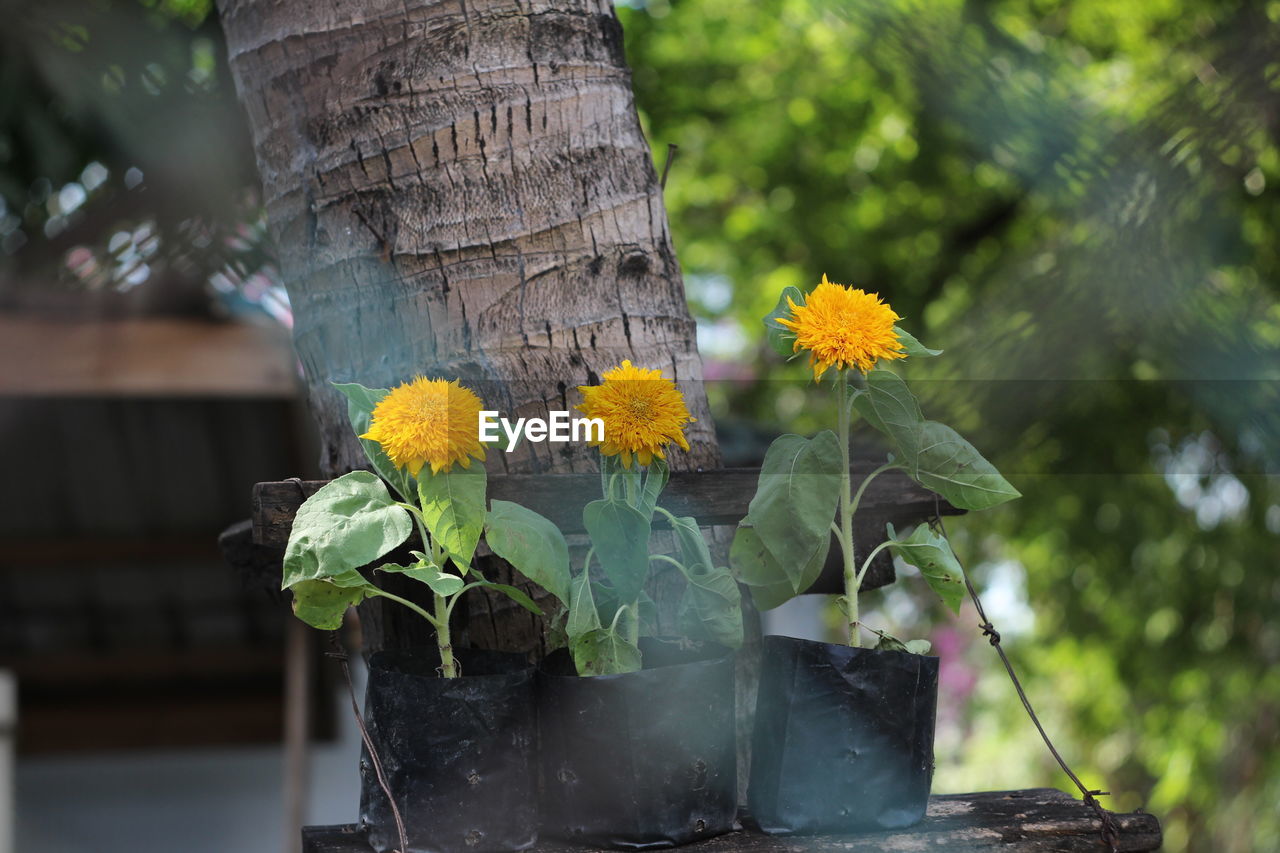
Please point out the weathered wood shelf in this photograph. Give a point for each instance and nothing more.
(718, 497)
(1037, 820)
(714, 497)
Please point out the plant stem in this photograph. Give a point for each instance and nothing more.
(857, 497)
(866, 564)
(448, 668)
(672, 560)
(409, 604)
(846, 510)
(633, 625)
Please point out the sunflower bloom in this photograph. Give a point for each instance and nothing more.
(843, 327)
(428, 421)
(641, 411)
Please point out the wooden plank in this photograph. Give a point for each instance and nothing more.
(1031, 821)
(715, 498)
(153, 356)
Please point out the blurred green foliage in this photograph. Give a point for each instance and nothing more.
(1078, 201)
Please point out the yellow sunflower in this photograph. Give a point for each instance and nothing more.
(428, 421)
(843, 327)
(641, 411)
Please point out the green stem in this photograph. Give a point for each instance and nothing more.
(409, 604)
(866, 564)
(633, 624)
(672, 560)
(448, 668)
(617, 614)
(857, 498)
(846, 510)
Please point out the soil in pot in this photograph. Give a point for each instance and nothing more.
(843, 738)
(459, 754)
(639, 760)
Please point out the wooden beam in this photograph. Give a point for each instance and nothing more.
(1032, 821)
(715, 498)
(143, 357)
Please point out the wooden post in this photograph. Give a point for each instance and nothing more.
(297, 729)
(8, 725)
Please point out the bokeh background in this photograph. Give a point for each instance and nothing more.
(1076, 199)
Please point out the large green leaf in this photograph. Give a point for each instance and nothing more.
(532, 544)
(893, 410)
(620, 534)
(932, 555)
(693, 545)
(796, 499)
(781, 338)
(348, 523)
(711, 607)
(913, 347)
(361, 402)
(755, 566)
(950, 466)
(583, 616)
(603, 652)
(933, 454)
(321, 604)
(453, 508)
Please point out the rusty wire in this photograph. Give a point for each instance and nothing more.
(1108, 829)
(340, 655)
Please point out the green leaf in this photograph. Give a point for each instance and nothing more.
(796, 499)
(583, 616)
(890, 407)
(890, 643)
(913, 347)
(532, 544)
(655, 480)
(620, 534)
(348, 523)
(950, 466)
(693, 545)
(441, 582)
(361, 402)
(711, 608)
(603, 652)
(453, 508)
(932, 555)
(781, 338)
(755, 566)
(321, 604)
(516, 594)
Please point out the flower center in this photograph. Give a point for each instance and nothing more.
(640, 407)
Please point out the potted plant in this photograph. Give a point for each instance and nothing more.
(454, 729)
(844, 734)
(637, 731)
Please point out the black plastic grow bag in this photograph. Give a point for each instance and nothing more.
(843, 738)
(643, 759)
(458, 753)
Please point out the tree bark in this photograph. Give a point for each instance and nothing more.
(462, 189)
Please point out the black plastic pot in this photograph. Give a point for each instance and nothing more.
(458, 753)
(640, 760)
(843, 738)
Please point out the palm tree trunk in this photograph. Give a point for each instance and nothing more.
(462, 188)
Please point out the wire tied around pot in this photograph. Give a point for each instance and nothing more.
(1109, 831)
(340, 655)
